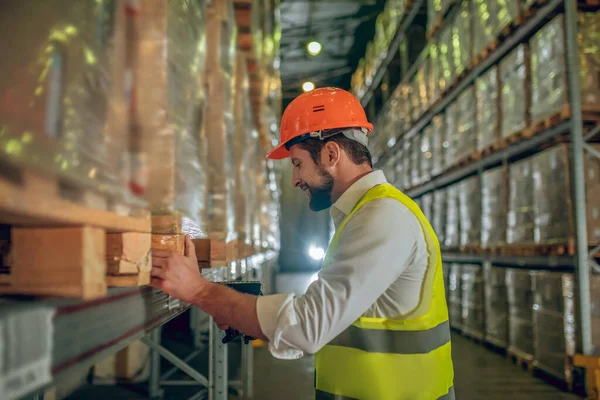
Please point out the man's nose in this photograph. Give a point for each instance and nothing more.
(295, 178)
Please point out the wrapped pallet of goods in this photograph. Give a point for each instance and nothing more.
(462, 37)
(466, 126)
(452, 235)
(488, 109)
(446, 58)
(469, 205)
(426, 153)
(415, 161)
(454, 296)
(427, 205)
(554, 327)
(399, 169)
(490, 18)
(520, 221)
(550, 96)
(434, 71)
(446, 273)
(436, 9)
(552, 202)
(515, 96)
(472, 300)
(452, 141)
(438, 221)
(406, 164)
(438, 144)
(220, 122)
(495, 305)
(494, 207)
(520, 313)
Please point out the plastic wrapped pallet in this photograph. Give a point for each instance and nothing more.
(496, 305)
(550, 95)
(415, 161)
(494, 206)
(520, 312)
(399, 169)
(427, 205)
(452, 141)
(553, 207)
(488, 109)
(446, 57)
(406, 164)
(595, 311)
(462, 38)
(483, 25)
(469, 203)
(466, 127)
(452, 236)
(62, 105)
(521, 214)
(454, 296)
(446, 273)
(439, 215)
(438, 148)
(220, 129)
(515, 98)
(554, 329)
(435, 83)
(472, 300)
(426, 153)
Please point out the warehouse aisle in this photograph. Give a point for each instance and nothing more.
(480, 374)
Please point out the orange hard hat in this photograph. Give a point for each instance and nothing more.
(318, 110)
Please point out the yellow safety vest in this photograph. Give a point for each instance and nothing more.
(403, 358)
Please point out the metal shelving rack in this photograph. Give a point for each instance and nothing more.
(583, 262)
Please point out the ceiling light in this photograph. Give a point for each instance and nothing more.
(308, 86)
(314, 48)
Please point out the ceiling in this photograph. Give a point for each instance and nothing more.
(343, 27)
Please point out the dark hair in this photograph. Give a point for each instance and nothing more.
(358, 153)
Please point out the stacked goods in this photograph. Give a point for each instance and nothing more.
(472, 301)
(63, 109)
(469, 205)
(414, 98)
(220, 123)
(439, 215)
(554, 328)
(552, 202)
(426, 153)
(454, 296)
(415, 161)
(446, 273)
(399, 169)
(488, 109)
(452, 141)
(406, 165)
(466, 128)
(436, 9)
(494, 205)
(520, 312)
(462, 38)
(490, 18)
(496, 305)
(515, 99)
(434, 71)
(438, 139)
(421, 90)
(446, 58)
(595, 312)
(550, 96)
(521, 213)
(452, 234)
(427, 206)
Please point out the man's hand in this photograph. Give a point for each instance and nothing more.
(175, 274)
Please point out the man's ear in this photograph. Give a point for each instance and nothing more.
(331, 154)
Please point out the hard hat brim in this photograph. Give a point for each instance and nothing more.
(278, 153)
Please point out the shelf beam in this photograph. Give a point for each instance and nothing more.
(563, 263)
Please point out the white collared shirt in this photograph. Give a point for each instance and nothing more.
(377, 271)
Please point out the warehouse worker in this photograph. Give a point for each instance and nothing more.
(376, 317)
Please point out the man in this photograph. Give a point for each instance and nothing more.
(376, 318)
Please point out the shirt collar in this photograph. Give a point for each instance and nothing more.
(356, 191)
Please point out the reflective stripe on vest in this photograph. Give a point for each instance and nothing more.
(387, 341)
(321, 395)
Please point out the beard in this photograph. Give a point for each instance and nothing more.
(320, 196)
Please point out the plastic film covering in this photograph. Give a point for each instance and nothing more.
(462, 37)
(494, 206)
(446, 57)
(514, 98)
(454, 296)
(426, 153)
(406, 165)
(452, 236)
(422, 88)
(505, 12)
(399, 112)
(589, 60)
(595, 311)
(520, 312)
(554, 328)
(469, 203)
(467, 133)
(439, 215)
(438, 144)
(62, 108)
(521, 214)
(446, 274)
(488, 109)
(483, 24)
(472, 300)
(435, 88)
(389, 169)
(415, 161)
(592, 189)
(414, 99)
(427, 205)
(452, 141)
(399, 170)
(435, 11)
(496, 305)
(220, 127)
(551, 196)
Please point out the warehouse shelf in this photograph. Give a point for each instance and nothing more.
(553, 262)
(399, 37)
(511, 152)
(520, 34)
